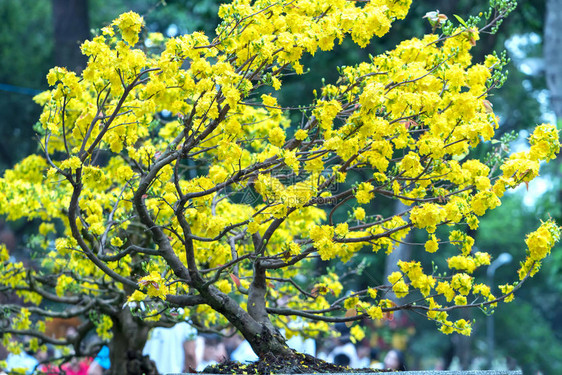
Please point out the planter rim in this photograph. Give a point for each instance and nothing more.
(424, 372)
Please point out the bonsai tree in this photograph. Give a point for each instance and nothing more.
(172, 184)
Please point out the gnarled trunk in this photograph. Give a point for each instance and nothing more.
(70, 18)
(253, 324)
(269, 341)
(129, 338)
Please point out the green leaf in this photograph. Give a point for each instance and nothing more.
(461, 20)
(460, 157)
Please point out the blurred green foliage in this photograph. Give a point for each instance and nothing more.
(537, 306)
(26, 40)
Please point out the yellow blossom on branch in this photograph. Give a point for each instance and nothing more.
(172, 176)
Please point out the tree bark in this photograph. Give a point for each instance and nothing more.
(70, 18)
(261, 335)
(553, 53)
(270, 340)
(129, 338)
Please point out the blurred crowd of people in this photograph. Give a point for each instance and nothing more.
(182, 349)
(341, 351)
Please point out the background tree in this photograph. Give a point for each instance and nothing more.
(136, 224)
(545, 314)
(71, 29)
(24, 63)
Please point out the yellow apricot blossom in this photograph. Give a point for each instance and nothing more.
(173, 175)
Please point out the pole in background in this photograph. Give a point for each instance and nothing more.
(502, 259)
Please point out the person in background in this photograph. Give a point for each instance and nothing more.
(213, 352)
(231, 342)
(243, 353)
(394, 360)
(47, 368)
(363, 354)
(25, 361)
(100, 363)
(76, 366)
(172, 349)
(343, 345)
(342, 359)
(375, 363)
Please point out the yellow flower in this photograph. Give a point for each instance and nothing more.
(463, 327)
(301, 134)
(359, 213)
(253, 227)
(542, 240)
(73, 163)
(342, 229)
(357, 333)
(326, 112)
(432, 245)
(445, 288)
(411, 166)
(46, 228)
(155, 285)
(224, 286)
(507, 289)
(124, 173)
(463, 263)
(130, 25)
(63, 283)
(375, 312)
(103, 328)
(364, 193)
(462, 282)
(401, 289)
(276, 83)
(427, 216)
(116, 241)
(481, 289)
(394, 277)
(460, 300)
(137, 296)
(277, 136)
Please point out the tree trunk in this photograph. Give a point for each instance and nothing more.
(269, 340)
(129, 338)
(552, 50)
(70, 19)
(553, 53)
(253, 324)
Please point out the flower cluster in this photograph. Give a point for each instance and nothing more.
(227, 195)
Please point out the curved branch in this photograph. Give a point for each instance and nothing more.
(69, 313)
(129, 250)
(315, 316)
(185, 301)
(293, 283)
(40, 336)
(72, 212)
(116, 110)
(165, 248)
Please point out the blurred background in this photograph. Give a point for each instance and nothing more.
(527, 333)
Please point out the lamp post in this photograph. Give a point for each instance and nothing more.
(502, 259)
